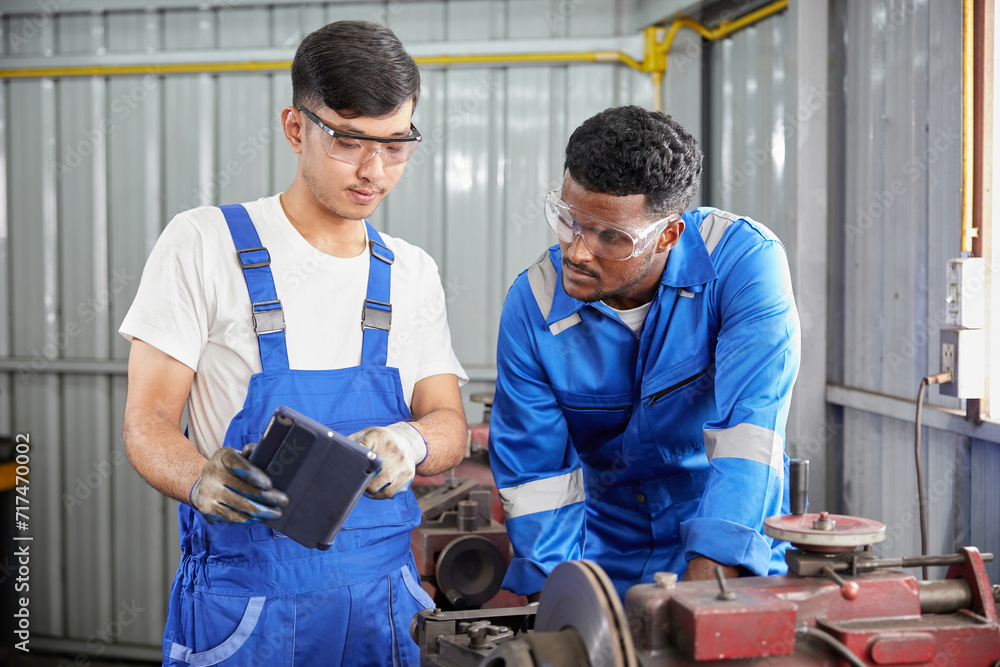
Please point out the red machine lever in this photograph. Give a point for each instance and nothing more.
(849, 589)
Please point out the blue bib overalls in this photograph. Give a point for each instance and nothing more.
(245, 595)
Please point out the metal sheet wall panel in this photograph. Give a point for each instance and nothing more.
(100, 166)
(35, 318)
(746, 159)
(985, 531)
(880, 483)
(682, 94)
(6, 379)
(249, 122)
(140, 519)
(938, 164)
(901, 180)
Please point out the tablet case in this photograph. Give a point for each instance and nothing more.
(323, 472)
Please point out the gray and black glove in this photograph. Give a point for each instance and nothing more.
(402, 449)
(233, 490)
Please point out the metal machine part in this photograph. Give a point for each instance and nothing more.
(479, 434)
(825, 532)
(838, 605)
(787, 621)
(459, 547)
(451, 638)
(798, 479)
(579, 595)
(909, 622)
(470, 570)
(578, 621)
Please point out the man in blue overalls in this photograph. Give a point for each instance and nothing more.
(295, 300)
(656, 348)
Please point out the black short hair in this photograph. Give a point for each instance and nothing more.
(632, 151)
(356, 68)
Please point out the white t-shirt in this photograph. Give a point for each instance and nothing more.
(192, 303)
(633, 317)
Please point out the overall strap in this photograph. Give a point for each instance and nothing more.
(376, 314)
(268, 318)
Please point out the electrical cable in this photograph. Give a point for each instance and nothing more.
(920, 476)
(940, 378)
(838, 646)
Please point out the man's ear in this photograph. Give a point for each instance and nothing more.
(291, 123)
(669, 237)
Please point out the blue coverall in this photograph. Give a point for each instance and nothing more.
(641, 452)
(245, 595)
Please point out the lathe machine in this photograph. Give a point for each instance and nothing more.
(838, 605)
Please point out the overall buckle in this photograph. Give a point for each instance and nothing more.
(268, 320)
(387, 257)
(376, 315)
(253, 265)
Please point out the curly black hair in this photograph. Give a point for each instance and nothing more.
(356, 68)
(631, 151)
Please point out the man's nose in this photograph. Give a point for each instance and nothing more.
(372, 168)
(578, 251)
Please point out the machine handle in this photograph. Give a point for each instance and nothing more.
(798, 484)
(849, 589)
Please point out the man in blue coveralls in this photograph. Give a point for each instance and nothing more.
(645, 367)
(295, 300)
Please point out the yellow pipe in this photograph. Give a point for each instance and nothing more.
(725, 29)
(729, 27)
(968, 122)
(124, 70)
(654, 60)
(487, 59)
(262, 66)
(657, 91)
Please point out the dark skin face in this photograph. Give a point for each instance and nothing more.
(622, 284)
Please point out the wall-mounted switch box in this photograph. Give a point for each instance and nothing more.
(963, 352)
(966, 293)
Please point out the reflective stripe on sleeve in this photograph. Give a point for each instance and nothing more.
(746, 441)
(543, 495)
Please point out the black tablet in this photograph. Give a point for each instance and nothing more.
(323, 472)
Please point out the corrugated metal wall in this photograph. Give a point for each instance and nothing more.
(95, 167)
(748, 103)
(894, 105)
(895, 215)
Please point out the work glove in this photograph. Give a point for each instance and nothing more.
(233, 490)
(402, 449)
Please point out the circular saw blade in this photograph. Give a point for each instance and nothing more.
(579, 595)
(848, 532)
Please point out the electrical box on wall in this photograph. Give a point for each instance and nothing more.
(963, 353)
(966, 295)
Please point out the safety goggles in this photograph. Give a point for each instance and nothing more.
(603, 238)
(357, 149)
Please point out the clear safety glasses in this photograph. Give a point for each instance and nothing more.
(356, 149)
(603, 238)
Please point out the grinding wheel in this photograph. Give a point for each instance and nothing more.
(580, 596)
(839, 533)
